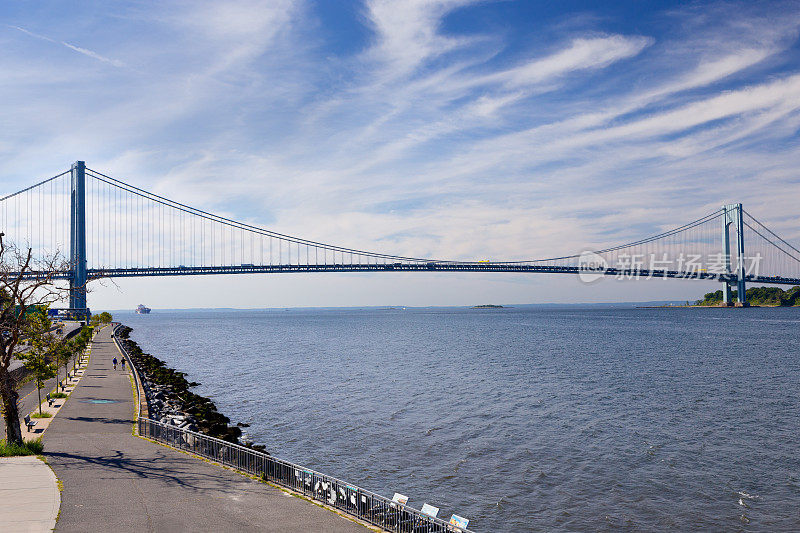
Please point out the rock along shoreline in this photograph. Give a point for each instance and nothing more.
(171, 402)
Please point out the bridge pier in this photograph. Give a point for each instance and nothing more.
(78, 279)
(733, 214)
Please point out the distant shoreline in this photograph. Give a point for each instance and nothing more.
(660, 303)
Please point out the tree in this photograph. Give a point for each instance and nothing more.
(25, 283)
(105, 317)
(78, 344)
(64, 352)
(43, 347)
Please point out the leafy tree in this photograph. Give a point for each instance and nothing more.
(79, 343)
(105, 317)
(63, 353)
(43, 347)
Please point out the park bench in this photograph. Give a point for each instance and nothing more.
(50, 400)
(29, 423)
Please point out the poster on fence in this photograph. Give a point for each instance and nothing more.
(400, 498)
(459, 521)
(429, 510)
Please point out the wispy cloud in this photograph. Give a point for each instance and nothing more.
(94, 55)
(84, 51)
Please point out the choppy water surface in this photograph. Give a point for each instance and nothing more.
(519, 419)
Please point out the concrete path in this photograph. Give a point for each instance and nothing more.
(29, 497)
(114, 481)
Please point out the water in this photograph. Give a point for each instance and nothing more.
(529, 419)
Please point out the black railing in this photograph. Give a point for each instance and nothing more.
(141, 399)
(347, 498)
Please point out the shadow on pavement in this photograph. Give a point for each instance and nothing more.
(157, 468)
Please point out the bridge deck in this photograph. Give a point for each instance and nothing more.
(416, 267)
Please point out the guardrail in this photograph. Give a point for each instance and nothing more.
(347, 498)
(141, 397)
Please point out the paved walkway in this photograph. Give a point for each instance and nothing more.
(29, 497)
(114, 481)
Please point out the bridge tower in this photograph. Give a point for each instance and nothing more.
(77, 282)
(732, 214)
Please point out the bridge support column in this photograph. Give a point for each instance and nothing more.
(733, 214)
(77, 283)
(727, 293)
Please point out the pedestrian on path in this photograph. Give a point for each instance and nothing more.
(114, 362)
(122, 363)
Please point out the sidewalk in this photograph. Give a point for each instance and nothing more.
(29, 497)
(114, 481)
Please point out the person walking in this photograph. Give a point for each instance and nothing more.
(122, 364)
(114, 362)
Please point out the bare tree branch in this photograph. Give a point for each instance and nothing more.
(26, 282)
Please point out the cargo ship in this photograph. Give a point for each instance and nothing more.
(142, 310)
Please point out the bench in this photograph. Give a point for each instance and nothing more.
(29, 423)
(50, 400)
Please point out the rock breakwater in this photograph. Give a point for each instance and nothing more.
(171, 402)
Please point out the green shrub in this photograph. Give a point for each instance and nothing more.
(43, 414)
(58, 395)
(29, 447)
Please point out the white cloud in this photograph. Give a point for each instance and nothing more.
(407, 32)
(582, 53)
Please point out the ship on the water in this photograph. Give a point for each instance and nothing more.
(142, 310)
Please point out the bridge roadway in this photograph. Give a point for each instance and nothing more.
(114, 481)
(435, 266)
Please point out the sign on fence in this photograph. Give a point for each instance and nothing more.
(459, 521)
(429, 510)
(400, 498)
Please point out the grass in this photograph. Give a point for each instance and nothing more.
(43, 414)
(58, 395)
(29, 447)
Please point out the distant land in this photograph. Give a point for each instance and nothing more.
(488, 306)
(653, 303)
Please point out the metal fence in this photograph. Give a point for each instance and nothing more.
(115, 327)
(347, 498)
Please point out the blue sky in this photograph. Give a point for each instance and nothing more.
(453, 128)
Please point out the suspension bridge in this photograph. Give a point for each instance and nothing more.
(114, 229)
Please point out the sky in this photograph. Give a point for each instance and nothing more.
(455, 129)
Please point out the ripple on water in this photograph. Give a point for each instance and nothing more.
(524, 419)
